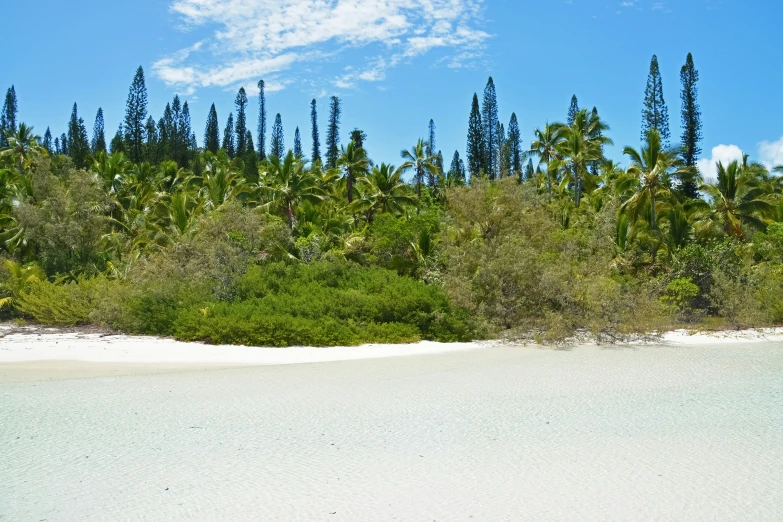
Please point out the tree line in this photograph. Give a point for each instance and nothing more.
(77, 207)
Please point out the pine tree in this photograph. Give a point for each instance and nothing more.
(515, 146)
(212, 132)
(358, 137)
(8, 116)
(489, 117)
(118, 141)
(529, 173)
(503, 160)
(476, 148)
(63, 144)
(297, 144)
(691, 122)
(187, 141)
(47, 141)
(57, 146)
(261, 121)
(152, 146)
(314, 126)
(655, 115)
(98, 143)
(250, 151)
(277, 145)
(573, 110)
(136, 116)
(457, 168)
(228, 137)
(431, 139)
(173, 130)
(250, 159)
(78, 144)
(241, 124)
(333, 133)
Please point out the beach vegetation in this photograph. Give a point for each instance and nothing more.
(224, 243)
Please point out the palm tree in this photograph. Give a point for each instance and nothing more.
(110, 168)
(289, 183)
(219, 183)
(582, 145)
(738, 199)
(355, 162)
(545, 146)
(385, 191)
(417, 159)
(22, 145)
(652, 165)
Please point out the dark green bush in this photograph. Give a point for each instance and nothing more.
(324, 304)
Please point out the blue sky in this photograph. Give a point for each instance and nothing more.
(398, 63)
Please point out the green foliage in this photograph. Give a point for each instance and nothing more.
(322, 304)
(63, 303)
(679, 295)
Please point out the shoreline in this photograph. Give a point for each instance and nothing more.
(43, 347)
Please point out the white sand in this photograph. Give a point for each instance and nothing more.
(677, 432)
(40, 344)
(53, 345)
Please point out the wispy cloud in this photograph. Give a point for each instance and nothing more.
(771, 153)
(255, 38)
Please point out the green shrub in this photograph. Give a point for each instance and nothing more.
(680, 295)
(66, 304)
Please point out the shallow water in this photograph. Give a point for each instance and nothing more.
(655, 433)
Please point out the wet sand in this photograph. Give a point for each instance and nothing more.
(677, 433)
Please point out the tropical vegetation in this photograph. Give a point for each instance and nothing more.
(151, 233)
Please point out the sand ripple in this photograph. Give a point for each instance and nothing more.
(655, 433)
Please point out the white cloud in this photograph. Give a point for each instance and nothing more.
(722, 153)
(255, 38)
(771, 154)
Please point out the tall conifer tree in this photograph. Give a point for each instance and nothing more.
(489, 118)
(136, 117)
(573, 110)
(277, 145)
(57, 146)
(152, 146)
(261, 120)
(476, 148)
(47, 141)
(431, 138)
(691, 122)
(529, 173)
(63, 144)
(98, 143)
(515, 146)
(78, 143)
(333, 133)
(241, 124)
(117, 142)
(358, 137)
(8, 116)
(457, 168)
(212, 131)
(655, 114)
(297, 144)
(228, 137)
(185, 135)
(314, 132)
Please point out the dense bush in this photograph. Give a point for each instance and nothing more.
(324, 304)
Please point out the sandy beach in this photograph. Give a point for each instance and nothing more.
(119, 427)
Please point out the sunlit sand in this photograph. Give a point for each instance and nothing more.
(683, 432)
